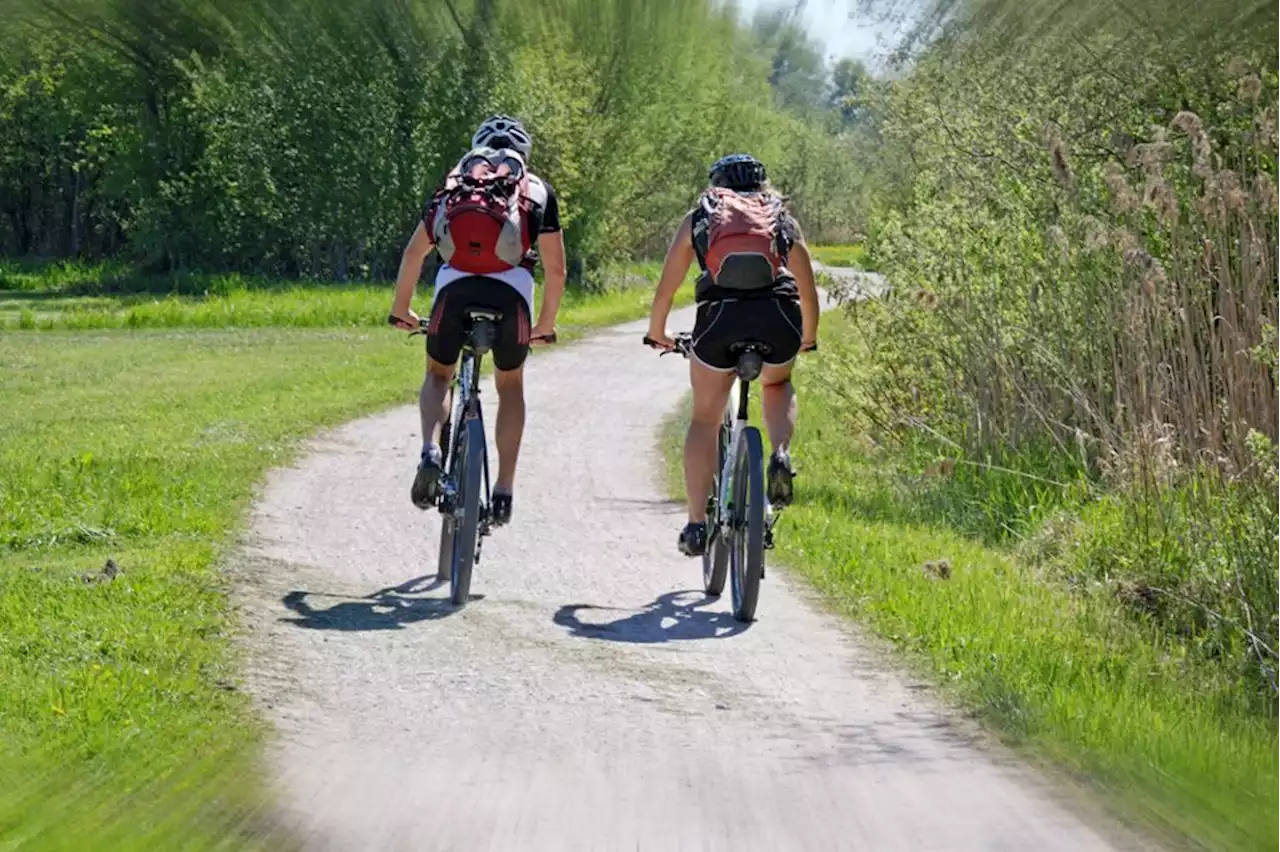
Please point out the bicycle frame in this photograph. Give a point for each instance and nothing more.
(739, 422)
(464, 395)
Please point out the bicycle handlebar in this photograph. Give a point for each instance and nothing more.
(684, 344)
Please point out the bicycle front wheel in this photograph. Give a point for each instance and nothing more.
(444, 566)
(466, 523)
(746, 549)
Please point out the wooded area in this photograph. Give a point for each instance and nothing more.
(301, 138)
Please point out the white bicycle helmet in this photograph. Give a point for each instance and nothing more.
(502, 131)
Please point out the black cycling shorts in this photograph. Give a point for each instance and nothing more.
(450, 325)
(771, 321)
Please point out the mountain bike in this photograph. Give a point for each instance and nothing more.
(465, 494)
(740, 522)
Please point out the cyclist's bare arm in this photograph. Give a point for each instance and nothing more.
(411, 261)
(802, 268)
(679, 258)
(551, 253)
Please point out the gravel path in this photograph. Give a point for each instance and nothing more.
(592, 700)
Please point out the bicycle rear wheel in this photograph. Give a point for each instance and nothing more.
(466, 524)
(715, 562)
(746, 549)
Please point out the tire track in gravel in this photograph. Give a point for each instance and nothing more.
(592, 700)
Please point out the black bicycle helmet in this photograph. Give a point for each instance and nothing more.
(503, 131)
(738, 171)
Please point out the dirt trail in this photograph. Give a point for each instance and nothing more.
(593, 700)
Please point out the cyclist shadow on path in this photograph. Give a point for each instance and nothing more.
(667, 619)
(386, 609)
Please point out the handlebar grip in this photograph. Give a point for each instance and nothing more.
(549, 338)
(813, 348)
(399, 322)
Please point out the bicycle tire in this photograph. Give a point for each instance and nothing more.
(467, 527)
(746, 552)
(444, 566)
(448, 524)
(715, 562)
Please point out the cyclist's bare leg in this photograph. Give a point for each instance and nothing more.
(431, 408)
(710, 393)
(509, 427)
(433, 398)
(778, 405)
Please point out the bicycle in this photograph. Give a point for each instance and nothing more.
(740, 523)
(465, 495)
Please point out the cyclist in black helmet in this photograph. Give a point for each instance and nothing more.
(756, 282)
(506, 284)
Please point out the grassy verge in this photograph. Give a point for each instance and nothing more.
(232, 302)
(854, 256)
(1063, 674)
(121, 723)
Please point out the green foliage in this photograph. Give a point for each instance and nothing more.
(1082, 251)
(302, 138)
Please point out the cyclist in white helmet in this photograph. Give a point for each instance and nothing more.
(483, 264)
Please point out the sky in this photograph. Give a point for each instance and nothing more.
(834, 23)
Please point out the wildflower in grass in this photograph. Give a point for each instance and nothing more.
(1201, 148)
(1250, 88)
(1264, 194)
(1096, 236)
(927, 299)
(1058, 160)
(1123, 240)
(1265, 122)
(1154, 155)
(1158, 194)
(1154, 280)
(1122, 197)
(1058, 238)
(1136, 256)
(1228, 185)
(1257, 250)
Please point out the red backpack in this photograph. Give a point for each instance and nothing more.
(477, 217)
(738, 238)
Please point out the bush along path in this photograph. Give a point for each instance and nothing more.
(592, 698)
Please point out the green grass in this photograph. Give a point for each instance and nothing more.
(854, 256)
(121, 723)
(230, 302)
(1170, 742)
(59, 276)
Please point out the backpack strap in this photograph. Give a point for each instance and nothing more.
(700, 226)
(782, 240)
